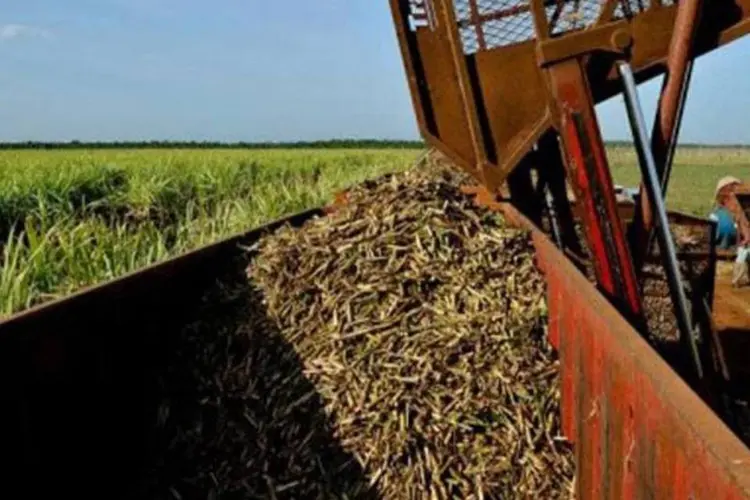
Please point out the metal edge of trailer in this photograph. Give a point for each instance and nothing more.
(122, 286)
(74, 378)
(639, 431)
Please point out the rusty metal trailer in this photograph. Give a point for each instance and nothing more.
(77, 380)
(639, 430)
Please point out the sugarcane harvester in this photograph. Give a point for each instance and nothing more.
(507, 89)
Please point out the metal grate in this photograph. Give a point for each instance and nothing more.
(489, 24)
(463, 10)
(627, 9)
(572, 15)
(470, 39)
(517, 29)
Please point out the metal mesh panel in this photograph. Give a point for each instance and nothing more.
(500, 33)
(630, 8)
(574, 15)
(463, 10)
(489, 7)
(470, 39)
(489, 24)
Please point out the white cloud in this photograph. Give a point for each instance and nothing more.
(13, 31)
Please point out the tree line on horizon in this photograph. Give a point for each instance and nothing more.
(327, 144)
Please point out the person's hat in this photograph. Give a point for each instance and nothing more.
(726, 181)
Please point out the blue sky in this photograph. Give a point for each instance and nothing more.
(254, 70)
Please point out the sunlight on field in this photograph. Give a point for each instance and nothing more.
(69, 219)
(694, 176)
(73, 218)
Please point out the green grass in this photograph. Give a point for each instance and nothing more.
(694, 176)
(74, 218)
(70, 219)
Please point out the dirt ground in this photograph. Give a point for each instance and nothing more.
(732, 317)
(731, 305)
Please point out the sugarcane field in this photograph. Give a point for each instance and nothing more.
(125, 209)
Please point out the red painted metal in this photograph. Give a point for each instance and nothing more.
(639, 430)
(589, 171)
(637, 427)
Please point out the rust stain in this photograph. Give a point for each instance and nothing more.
(570, 366)
(598, 413)
(554, 313)
(614, 426)
(680, 476)
(645, 448)
(586, 442)
(665, 452)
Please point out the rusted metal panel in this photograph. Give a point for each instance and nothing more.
(555, 313)
(721, 23)
(570, 357)
(588, 171)
(619, 433)
(476, 69)
(588, 414)
(600, 411)
(639, 430)
(74, 376)
(491, 79)
(439, 89)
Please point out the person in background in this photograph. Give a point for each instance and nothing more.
(732, 228)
